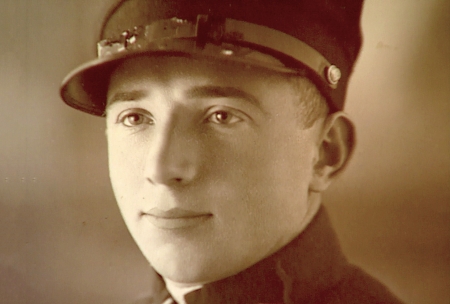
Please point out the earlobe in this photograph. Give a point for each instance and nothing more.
(335, 148)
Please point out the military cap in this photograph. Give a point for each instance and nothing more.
(319, 39)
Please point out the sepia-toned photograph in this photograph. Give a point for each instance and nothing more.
(225, 151)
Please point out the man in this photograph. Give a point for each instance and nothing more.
(224, 126)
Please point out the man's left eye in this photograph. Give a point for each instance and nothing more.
(223, 118)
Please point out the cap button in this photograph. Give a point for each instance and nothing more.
(333, 74)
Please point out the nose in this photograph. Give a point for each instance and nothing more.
(173, 155)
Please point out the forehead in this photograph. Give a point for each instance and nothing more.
(180, 72)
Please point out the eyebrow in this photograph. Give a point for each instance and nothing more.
(127, 96)
(210, 91)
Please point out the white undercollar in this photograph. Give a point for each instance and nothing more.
(178, 292)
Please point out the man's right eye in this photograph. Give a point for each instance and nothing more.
(134, 119)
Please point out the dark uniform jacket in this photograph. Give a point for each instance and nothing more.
(310, 269)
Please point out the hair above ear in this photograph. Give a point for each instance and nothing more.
(336, 145)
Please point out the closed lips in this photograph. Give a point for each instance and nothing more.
(175, 213)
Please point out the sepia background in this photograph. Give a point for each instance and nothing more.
(62, 239)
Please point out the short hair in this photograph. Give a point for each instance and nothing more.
(311, 104)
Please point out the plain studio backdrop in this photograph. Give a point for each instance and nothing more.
(62, 239)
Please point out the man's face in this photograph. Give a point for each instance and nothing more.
(209, 164)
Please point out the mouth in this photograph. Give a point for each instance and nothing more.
(176, 218)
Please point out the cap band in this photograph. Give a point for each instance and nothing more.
(222, 37)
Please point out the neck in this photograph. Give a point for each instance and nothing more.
(314, 202)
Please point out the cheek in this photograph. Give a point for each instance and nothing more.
(253, 175)
(277, 179)
(125, 171)
(125, 166)
(278, 166)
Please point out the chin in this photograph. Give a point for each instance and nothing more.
(176, 263)
(183, 273)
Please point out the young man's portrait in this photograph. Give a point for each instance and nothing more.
(211, 151)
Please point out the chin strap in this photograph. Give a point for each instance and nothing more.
(226, 38)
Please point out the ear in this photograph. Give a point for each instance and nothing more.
(335, 146)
